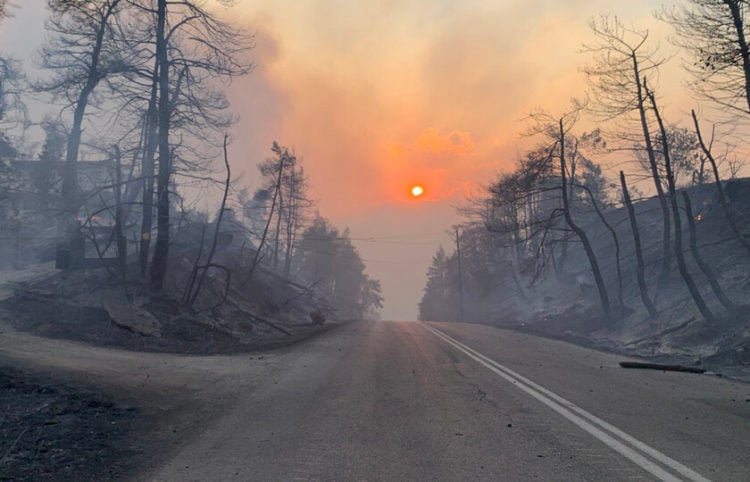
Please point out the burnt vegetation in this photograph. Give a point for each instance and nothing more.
(631, 235)
(137, 137)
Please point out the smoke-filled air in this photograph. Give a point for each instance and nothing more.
(214, 211)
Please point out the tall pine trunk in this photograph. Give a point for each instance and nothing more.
(666, 225)
(147, 171)
(93, 76)
(695, 293)
(161, 249)
(640, 265)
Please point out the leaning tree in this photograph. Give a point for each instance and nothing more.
(621, 61)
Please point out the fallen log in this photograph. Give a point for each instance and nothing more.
(663, 367)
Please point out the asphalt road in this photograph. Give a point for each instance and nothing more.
(402, 401)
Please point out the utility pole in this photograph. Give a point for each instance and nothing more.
(460, 281)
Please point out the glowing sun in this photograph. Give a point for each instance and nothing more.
(417, 190)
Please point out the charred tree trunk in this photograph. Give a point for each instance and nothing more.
(122, 254)
(279, 214)
(722, 197)
(262, 242)
(686, 276)
(705, 268)
(147, 171)
(194, 273)
(122, 243)
(614, 239)
(70, 176)
(93, 76)
(640, 267)
(161, 250)
(209, 260)
(701, 176)
(603, 297)
(560, 267)
(291, 219)
(666, 225)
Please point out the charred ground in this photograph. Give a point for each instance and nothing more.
(561, 301)
(56, 429)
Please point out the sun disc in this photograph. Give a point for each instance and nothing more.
(417, 190)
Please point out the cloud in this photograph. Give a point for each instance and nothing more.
(455, 142)
(375, 97)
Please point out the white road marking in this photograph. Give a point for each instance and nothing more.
(619, 441)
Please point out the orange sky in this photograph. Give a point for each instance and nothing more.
(377, 95)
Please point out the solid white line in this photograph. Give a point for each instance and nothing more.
(673, 464)
(606, 432)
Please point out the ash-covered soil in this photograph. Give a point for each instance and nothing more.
(56, 430)
(91, 307)
(55, 318)
(564, 304)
